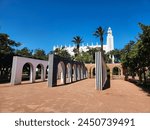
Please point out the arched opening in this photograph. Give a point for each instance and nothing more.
(93, 72)
(27, 72)
(85, 72)
(74, 73)
(68, 73)
(46, 74)
(39, 72)
(78, 72)
(82, 72)
(89, 73)
(61, 77)
(116, 71)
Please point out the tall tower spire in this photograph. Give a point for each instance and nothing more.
(110, 40)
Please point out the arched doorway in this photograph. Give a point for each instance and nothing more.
(68, 73)
(116, 73)
(85, 72)
(61, 77)
(39, 72)
(74, 73)
(27, 72)
(78, 72)
(93, 72)
(82, 72)
(46, 74)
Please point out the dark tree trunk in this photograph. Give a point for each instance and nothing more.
(144, 76)
(140, 76)
(133, 76)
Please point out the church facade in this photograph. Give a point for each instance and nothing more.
(109, 46)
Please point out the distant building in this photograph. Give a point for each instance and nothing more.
(108, 47)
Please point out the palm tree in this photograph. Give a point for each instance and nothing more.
(77, 40)
(99, 33)
(58, 51)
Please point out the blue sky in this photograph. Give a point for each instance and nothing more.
(44, 23)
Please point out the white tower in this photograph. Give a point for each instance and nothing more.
(110, 40)
(110, 43)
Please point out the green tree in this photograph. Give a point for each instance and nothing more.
(7, 45)
(144, 49)
(92, 51)
(145, 42)
(7, 49)
(135, 55)
(117, 55)
(77, 40)
(40, 54)
(25, 52)
(107, 57)
(84, 57)
(62, 53)
(125, 57)
(100, 33)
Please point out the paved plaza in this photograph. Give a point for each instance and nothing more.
(80, 96)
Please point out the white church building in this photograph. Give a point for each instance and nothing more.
(108, 47)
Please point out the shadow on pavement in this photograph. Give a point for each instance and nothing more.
(144, 87)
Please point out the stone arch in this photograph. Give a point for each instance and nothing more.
(116, 70)
(46, 72)
(39, 72)
(18, 64)
(78, 72)
(74, 72)
(82, 71)
(68, 73)
(61, 76)
(89, 70)
(92, 72)
(85, 72)
(69, 68)
(27, 72)
(119, 68)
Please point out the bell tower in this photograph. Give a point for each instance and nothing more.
(110, 43)
(110, 40)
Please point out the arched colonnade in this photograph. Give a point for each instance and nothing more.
(63, 71)
(115, 70)
(58, 70)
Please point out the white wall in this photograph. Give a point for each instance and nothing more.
(17, 67)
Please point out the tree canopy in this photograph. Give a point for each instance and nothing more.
(62, 52)
(7, 45)
(136, 54)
